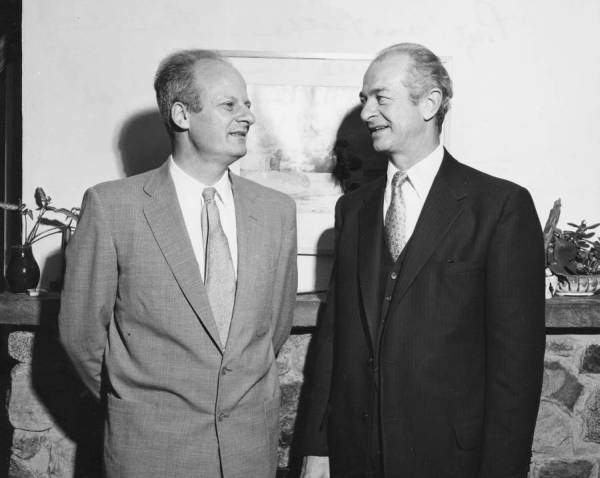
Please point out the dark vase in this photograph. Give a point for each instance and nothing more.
(22, 272)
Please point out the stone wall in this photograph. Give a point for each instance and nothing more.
(39, 448)
(567, 436)
(56, 425)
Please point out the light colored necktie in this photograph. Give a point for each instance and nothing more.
(395, 217)
(219, 275)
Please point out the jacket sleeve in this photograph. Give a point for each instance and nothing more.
(89, 292)
(286, 282)
(515, 338)
(314, 412)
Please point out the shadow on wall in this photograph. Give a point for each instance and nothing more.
(356, 160)
(53, 270)
(76, 412)
(143, 143)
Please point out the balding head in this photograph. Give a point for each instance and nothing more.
(425, 73)
(175, 81)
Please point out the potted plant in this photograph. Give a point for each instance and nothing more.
(573, 255)
(23, 272)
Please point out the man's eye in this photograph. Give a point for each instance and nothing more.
(381, 99)
(228, 105)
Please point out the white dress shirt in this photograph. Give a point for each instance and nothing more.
(416, 189)
(189, 194)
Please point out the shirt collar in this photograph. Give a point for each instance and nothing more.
(190, 187)
(421, 174)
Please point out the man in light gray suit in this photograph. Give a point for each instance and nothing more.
(179, 292)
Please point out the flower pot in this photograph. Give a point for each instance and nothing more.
(22, 272)
(578, 284)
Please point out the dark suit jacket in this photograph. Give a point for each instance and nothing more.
(179, 404)
(459, 354)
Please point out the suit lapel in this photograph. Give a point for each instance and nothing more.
(442, 207)
(167, 224)
(369, 254)
(251, 236)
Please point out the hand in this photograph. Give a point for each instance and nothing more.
(315, 467)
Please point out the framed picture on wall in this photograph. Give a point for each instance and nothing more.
(308, 140)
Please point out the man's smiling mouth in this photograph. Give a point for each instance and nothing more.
(377, 129)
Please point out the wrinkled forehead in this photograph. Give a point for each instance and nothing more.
(386, 71)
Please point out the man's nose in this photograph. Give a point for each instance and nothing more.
(367, 111)
(247, 116)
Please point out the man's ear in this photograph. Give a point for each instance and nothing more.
(430, 103)
(180, 116)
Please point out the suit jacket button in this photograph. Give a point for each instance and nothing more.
(222, 416)
(388, 298)
(365, 416)
(225, 370)
(394, 276)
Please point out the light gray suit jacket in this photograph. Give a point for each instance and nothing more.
(134, 304)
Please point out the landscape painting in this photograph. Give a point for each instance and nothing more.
(309, 142)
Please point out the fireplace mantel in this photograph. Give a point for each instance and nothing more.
(561, 312)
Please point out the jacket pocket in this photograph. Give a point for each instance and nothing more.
(461, 267)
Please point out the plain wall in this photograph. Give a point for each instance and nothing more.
(526, 103)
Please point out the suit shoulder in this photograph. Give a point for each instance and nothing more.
(474, 180)
(119, 187)
(265, 194)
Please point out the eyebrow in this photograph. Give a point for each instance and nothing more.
(248, 103)
(372, 91)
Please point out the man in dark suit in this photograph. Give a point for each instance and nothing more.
(428, 359)
(179, 292)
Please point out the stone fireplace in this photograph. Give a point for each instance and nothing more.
(51, 427)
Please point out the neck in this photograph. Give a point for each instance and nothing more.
(207, 170)
(404, 160)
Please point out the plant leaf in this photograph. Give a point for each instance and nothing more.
(564, 251)
(40, 197)
(70, 214)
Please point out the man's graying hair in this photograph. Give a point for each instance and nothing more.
(427, 72)
(174, 81)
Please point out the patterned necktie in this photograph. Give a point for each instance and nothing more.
(395, 217)
(219, 276)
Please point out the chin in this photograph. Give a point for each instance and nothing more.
(237, 155)
(238, 150)
(380, 147)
